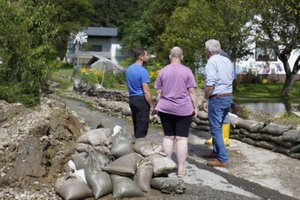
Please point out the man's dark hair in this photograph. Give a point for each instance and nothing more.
(139, 52)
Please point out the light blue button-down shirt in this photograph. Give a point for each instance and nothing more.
(219, 73)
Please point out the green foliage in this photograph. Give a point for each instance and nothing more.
(91, 75)
(110, 80)
(260, 91)
(200, 82)
(277, 22)
(287, 118)
(189, 27)
(144, 25)
(26, 46)
(121, 78)
(20, 92)
(126, 62)
(61, 76)
(70, 16)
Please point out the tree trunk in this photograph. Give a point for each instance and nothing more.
(288, 83)
(290, 75)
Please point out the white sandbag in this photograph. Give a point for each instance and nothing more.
(249, 125)
(72, 188)
(101, 136)
(98, 180)
(124, 166)
(275, 129)
(117, 129)
(266, 145)
(295, 149)
(79, 173)
(124, 187)
(144, 174)
(168, 185)
(122, 143)
(145, 147)
(202, 115)
(162, 165)
(80, 160)
(291, 136)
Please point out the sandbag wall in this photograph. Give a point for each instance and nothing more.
(278, 138)
(115, 163)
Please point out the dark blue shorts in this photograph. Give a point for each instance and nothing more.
(174, 125)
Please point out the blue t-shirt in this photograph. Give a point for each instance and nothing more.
(136, 75)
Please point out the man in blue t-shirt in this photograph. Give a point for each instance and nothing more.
(140, 98)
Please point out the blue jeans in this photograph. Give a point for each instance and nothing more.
(218, 108)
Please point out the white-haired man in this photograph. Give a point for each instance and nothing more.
(219, 75)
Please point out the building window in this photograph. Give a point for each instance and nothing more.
(96, 47)
(265, 52)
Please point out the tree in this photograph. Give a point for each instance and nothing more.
(70, 16)
(190, 26)
(26, 47)
(278, 22)
(146, 23)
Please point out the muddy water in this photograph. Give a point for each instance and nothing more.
(93, 118)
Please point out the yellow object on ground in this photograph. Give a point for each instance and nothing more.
(225, 134)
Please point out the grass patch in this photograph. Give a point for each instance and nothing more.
(287, 118)
(20, 92)
(265, 92)
(62, 76)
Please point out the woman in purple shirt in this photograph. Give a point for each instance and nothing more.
(176, 88)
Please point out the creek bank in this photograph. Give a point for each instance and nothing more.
(34, 144)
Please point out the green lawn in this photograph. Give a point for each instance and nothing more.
(62, 76)
(265, 92)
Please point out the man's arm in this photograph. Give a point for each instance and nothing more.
(148, 95)
(208, 91)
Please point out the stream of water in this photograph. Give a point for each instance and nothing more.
(93, 118)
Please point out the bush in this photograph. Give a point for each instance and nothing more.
(20, 92)
(200, 81)
(91, 75)
(110, 80)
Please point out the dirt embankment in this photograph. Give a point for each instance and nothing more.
(35, 143)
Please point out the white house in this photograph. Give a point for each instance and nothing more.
(101, 41)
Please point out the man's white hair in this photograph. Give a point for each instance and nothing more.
(176, 52)
(213, 46)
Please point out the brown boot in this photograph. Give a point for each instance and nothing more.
(217, 163)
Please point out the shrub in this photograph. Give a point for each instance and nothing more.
(20, 92)
(91, 75)
(200, 81)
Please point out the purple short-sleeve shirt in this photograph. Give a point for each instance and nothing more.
(174, 80)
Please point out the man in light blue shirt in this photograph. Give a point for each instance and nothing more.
(219, 75)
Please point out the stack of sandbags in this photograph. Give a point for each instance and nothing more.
(275, 137)
(117, 163)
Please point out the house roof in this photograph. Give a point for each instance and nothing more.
(101, 31)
